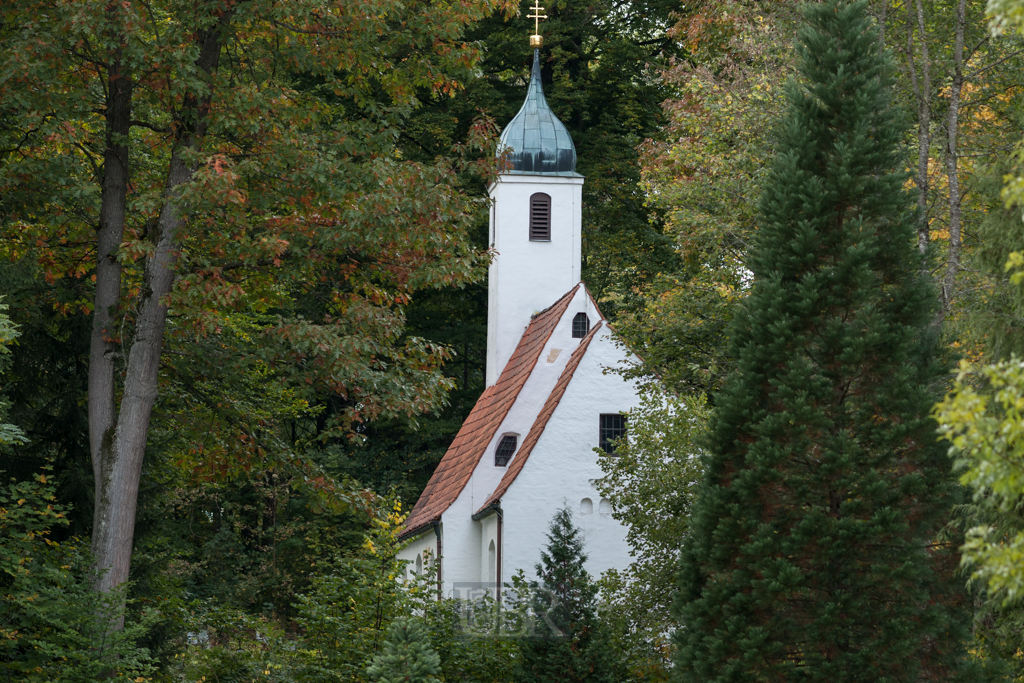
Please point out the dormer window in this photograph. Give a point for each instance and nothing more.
(540, 217)
(505, 450)
(580, 325)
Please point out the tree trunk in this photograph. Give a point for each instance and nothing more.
(118, 453)
(103, 346)
(923, 93)
(952, 158)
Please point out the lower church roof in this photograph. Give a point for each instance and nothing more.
(490, 410)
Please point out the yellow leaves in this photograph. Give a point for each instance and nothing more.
(1015, 263)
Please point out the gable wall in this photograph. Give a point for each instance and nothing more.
(563, 466)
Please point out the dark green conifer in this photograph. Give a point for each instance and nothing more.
(569, 644)
(406, 656)
(813, 553)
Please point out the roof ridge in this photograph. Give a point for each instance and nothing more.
(540, 423)
(566, 295)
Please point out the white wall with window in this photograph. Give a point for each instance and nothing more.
(562, 466)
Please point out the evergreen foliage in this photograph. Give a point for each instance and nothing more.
(406, 656)
(53, 627)
(568, 642)
(812, 552)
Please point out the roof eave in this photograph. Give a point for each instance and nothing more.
(410, 534)
(487, 510)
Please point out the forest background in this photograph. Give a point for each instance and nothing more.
(324, 330)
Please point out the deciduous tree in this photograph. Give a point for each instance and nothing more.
(202, 160)
(651, 480)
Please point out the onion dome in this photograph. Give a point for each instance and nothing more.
(537, 142)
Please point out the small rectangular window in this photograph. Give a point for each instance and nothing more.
(505, 450)
(540, 217)
(612, 427)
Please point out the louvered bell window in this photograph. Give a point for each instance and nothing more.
(506, 448)
(540, 217)
(611, 427)
(580, 326)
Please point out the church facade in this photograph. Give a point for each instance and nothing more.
(527, 448)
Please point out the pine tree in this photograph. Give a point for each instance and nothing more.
(406, 656)
(812, 554)
(568, 644)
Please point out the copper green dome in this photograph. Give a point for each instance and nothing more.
(538, 142)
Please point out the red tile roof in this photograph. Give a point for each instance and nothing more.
(469, 445)
(542, 419)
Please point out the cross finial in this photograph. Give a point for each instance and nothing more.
(536, 40)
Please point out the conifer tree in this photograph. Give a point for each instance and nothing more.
(812, 554)
(406, 656)
(568, 644)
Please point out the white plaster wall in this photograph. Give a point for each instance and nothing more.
(526, 277)
(461, 543)
(563, 466)
(488, 534)
(426, 541)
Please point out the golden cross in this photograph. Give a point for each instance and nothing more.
(536, 40)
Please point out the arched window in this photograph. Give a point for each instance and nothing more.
(506, 448)
(586, 507)
(419, 563)
(492, 563)
(580, 325)
(605, 508)
(540, 217)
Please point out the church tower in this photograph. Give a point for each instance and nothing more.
(535, 224)
(527, 448)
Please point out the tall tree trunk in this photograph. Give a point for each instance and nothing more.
(952, 158)
(923, 94)
(118, 456)
(103, 345)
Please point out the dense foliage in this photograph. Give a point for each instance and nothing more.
(651, 480)
(53, 627)
(247, 241)
(406, 657)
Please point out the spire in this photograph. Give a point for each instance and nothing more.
(539, 142)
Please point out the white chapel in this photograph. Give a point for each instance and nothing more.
(527, 447)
